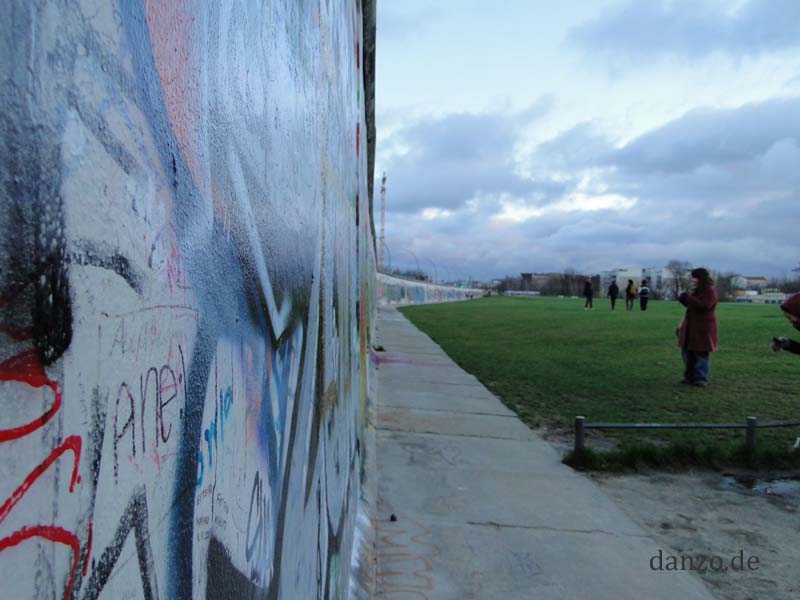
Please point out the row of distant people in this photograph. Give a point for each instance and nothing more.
(697, 333)
(631, 292)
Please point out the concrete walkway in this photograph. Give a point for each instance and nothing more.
(472, 504)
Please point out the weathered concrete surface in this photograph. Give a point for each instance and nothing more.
(484, 508)
(186, 298)
(396, 290)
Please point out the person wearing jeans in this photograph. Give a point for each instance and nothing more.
(695, 367)
(698, 333)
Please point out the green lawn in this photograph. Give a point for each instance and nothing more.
(549, 360)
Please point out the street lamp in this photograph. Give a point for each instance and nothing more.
(460, 274)
(416, 260)
(389, 268)
(448, 271)
(435, 272)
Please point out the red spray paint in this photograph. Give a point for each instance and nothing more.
(27, 368)
(58, 535)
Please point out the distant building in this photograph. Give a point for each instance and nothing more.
(622, 275)
(538, 281)
(657, 278)
(523, 293)
(773, 297)
(750, 283)
(754, 297)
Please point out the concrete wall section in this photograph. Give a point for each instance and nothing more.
(186, 283)
(393, 290)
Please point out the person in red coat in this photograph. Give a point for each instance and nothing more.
(791, 310)
(697, 335)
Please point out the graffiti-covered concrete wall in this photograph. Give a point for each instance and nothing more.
(394, 290)
(185, 291)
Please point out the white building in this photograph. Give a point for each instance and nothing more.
(745, 282)
(658, 278)
(622, 275)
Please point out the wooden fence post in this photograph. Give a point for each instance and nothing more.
(579, 434)
(750, 440)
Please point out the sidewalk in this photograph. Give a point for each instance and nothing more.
(483, 506)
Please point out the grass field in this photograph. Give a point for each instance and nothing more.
(549, 360)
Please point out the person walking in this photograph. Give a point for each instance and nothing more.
(791, 310)
(698, 333)
(630, 294)
(644, 295)
(588, 293)
(613, 293)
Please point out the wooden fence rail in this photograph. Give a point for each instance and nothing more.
(750, 425)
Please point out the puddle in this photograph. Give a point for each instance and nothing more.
(784, 488)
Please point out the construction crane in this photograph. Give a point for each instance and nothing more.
(382, 247)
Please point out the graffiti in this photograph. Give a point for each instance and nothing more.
(57, 535)
(186, 289)
(393, 290)
(134, 518)
(405, 557)
(215, 432)
(71, 444)
(257, 546)
(157, 388)
(50, 533)
(27, 368)
(229, 581)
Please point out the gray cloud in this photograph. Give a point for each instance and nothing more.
(580, 146)
(714, 137)
(716, 187)
(452, 159)
(639, 31)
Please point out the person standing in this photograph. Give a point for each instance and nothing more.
(644, 295)
(630, 294)
(791, 310)
(698, 333)
(588, 293)
(613, 293)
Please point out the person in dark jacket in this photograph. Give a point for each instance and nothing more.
(698, 333)
(588, 293)
(791, 310)
(630, 294)
(644, 294)
(613, 293)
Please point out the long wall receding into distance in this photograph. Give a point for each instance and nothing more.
(186, 284)
(394, 290)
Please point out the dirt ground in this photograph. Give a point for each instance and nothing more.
(716, 514)
(712, 514)
(705, 513)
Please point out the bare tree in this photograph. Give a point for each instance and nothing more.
(679, 275)
(790, 286)
(785, 284)
(570, 283)
(726, 286)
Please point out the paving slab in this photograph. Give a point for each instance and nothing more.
(452, 422)
(442, 402)
(473, 504)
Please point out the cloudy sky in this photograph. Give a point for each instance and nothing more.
(529, 135)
